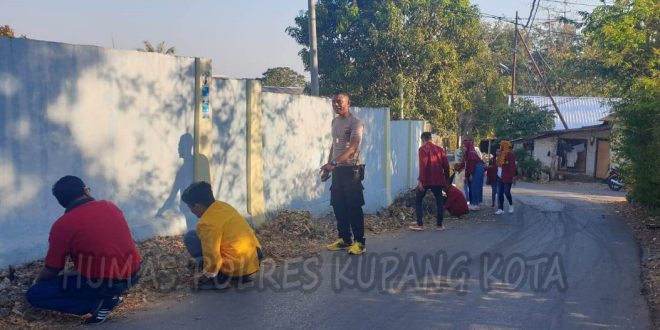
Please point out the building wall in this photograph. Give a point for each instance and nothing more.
(297, 141)
(405, 163)
(375, 154)
(591, 147)
(124, 122)
(115, 118)
(549, 144)
(544, 146)
(228, 175)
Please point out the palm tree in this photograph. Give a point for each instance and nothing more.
(160, 48)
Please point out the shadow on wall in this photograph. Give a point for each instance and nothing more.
(107, 116)
(184, 177)
(229, 142)
(34, 151)
(297, 140)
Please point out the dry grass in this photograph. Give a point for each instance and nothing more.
(167, 269)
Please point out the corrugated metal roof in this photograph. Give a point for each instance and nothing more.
(577, 111)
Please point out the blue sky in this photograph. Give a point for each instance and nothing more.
(243, 38)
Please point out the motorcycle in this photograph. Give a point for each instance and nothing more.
(615, 180)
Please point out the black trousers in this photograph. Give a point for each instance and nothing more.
(419, 200)
(347, 199)
(504, 189)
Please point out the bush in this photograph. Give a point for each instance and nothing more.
(637, 142)
(528, 167)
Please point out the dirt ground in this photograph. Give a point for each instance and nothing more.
(167, 270)
(647, 232)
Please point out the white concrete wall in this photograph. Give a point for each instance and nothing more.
(297, 140)
(228, 163)
(416, 132)
(373, 153)
(405, 163)
(112, 117)
(123, 122)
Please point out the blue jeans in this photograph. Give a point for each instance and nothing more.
(494, 187)
(477, 185)
(74, 294)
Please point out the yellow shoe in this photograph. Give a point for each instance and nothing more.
(357, 248)
(338, 245)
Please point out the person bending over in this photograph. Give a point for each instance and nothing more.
(95, 235)
(224, 243)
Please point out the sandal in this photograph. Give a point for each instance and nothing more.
(416, 228)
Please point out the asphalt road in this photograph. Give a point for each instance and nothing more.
(581, 270)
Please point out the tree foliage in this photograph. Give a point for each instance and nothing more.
(523, 118)
(6, 31)
(159, 48)
(623, 43)
(404, 54)
(283, 77)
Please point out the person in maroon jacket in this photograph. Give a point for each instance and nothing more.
(474, 176)
(506, 175)
(95, 235)
(434, 176)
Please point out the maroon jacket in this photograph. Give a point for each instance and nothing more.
(433, 166)
(456, 203)
(509, 168)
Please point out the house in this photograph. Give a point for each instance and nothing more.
(582, 150)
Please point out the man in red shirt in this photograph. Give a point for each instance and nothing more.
(95, 235)
(434, 176)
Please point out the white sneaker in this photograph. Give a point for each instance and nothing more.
(499, 211)
(473, 207)
(510, 208)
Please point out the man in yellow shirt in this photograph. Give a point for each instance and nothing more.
(225, 242)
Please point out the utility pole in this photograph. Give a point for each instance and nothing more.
(515, 60)
(401, 99)
(538, 72)
(313, 58)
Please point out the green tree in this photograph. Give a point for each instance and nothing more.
(283, 77)
(623, 43)
(6, 31)
(403, 54)
(521, 119)
(487, 88)
(159, 48)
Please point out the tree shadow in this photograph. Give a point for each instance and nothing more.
(229, 142)
(107, 116)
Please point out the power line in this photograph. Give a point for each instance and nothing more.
(531, 12)
(538, 5)
(573, 3)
